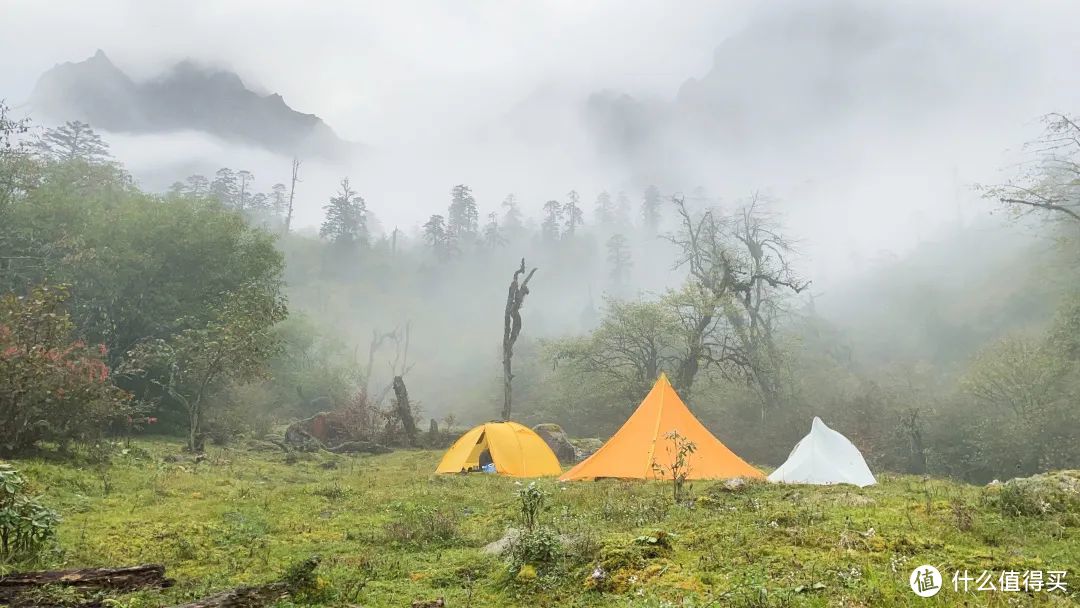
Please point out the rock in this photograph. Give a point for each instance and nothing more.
(439, 603)
(501, 545)
(1052, 493)
(556, 438)
(298, 438)
(586, 447)
(735, 484)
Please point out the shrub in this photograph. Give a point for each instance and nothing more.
(422, 526)
(52, 388)
(539, 547)
(27, 528)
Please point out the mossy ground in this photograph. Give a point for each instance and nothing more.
(389, 531)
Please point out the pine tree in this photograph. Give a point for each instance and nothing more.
(493, 237)
(604, 210)
(463, 219)
(512, 220)
(279, 199)
(346, 220)
(435, 235)
(224, 187)
(197, 186)
(619, 259)
(574, 215)
(650, 209)
(259, 203)
(622, 211)
(549, 229)
(244, 181)
(73, 140)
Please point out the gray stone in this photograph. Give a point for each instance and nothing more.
(556, 438)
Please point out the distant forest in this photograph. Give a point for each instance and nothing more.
(205, 311)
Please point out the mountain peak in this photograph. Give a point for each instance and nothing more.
(188, 96)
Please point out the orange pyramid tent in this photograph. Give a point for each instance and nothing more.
(642, 440)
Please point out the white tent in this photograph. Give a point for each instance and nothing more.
(823, 457)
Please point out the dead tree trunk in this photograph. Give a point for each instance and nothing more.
(85, 580)
(511, 328)
(404, 412)
(292, 194)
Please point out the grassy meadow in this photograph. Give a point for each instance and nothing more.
(390, 532)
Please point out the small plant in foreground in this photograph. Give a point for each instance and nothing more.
(27, 527)
(532, 503)
(680, 462)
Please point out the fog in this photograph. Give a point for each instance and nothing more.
(870, 131)
(866, 133)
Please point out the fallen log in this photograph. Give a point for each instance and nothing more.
(85, 580)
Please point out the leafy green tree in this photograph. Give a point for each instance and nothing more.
(1049, 183)
(71, 141)
(1017, 373)
(346, 219)
(198, 363)
(633, 344)
(143, 266)
(52, 386)
(15, 160)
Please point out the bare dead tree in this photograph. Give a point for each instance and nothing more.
(515, 298)
(738, 269)
(1050, 180)
(377, 340)
(292, 193)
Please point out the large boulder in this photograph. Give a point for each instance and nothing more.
(556, 438)
(586, 447)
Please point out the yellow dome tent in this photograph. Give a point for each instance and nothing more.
(642, 440)
(514, 450)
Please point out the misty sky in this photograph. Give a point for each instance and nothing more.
(449, 92)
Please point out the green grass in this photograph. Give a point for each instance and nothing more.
(389, 531)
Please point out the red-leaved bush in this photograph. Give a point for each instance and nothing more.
(52, 388)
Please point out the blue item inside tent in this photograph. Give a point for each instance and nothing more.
(488, 468)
